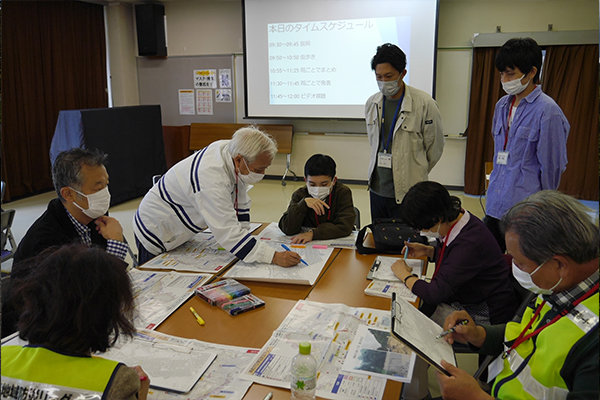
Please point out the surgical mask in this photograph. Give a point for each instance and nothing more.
(525, 280)
(98, 203)
(432, 235)
(252, 177)
(389, 88)
(515, 86)
(318, 192)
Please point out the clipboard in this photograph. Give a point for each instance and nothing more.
(373, 268)
(417, 331)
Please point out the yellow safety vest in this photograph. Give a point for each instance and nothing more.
(539, 377)
(39, 373)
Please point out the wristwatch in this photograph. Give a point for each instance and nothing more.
(408, 276)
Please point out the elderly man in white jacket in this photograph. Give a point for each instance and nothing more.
(210, 189)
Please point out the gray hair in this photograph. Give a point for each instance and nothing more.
(66, 170)
(250, 141)
(550, 223)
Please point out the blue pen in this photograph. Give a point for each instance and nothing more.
(406, 249)
(288, 249)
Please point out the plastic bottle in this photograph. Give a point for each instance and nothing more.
(303, 374)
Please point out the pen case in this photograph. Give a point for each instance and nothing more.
(222, 291)
(242, 304)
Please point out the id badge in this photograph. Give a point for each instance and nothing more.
(495, 368)
(384, 160)
(502, 158)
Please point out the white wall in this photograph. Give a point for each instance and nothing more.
(207, 27)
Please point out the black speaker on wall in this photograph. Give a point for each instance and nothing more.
(150, 24)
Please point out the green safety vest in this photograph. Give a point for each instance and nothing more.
(540, 377)
(39, 373)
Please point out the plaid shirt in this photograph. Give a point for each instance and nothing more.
(114, 247)
(562, 299)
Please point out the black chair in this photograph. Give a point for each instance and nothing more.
(8, 217)
(356, 219)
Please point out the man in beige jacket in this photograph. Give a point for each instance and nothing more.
(405, 133)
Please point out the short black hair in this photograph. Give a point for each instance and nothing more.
(389, 53)
(523, 53)
(428, 203)
(75, 300)
(319, 164)
(66, 170)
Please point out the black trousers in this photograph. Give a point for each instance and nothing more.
(384, 207)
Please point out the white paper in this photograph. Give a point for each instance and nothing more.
(386, 288)
(377, 352)
(205, 78)
(415, 328)
(274, 234)
(300, 274)
(330, 328)
(186, 102)
(204, 102)
(384, 272)
(220, 381)
(200, 254)
(223, 95)
(158, 294)
(225, 78)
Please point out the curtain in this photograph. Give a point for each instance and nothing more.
(570, 77)
(53, 58)
(486, 90)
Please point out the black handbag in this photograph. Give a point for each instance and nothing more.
(389, 235)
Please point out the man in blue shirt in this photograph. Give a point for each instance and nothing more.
(530, 134)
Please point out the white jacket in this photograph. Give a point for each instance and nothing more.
(418, 139)
(198, 192)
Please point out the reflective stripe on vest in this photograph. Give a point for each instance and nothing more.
(540, 377)
(37, 368)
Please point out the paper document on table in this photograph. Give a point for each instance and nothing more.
(330, 328)
(274, 234)
(384, 271)
(377, 352)
(169, 362)
(386, 288)
(202, 253)
(300, 274)
(157, 294)
(420, 333)
(221, 379)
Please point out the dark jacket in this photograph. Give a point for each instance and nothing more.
(473, 270)
(332, 225)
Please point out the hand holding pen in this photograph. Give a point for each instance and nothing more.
(288, 249)
(453, 329)
(463, 332)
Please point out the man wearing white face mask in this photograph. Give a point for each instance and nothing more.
(78, 214)
(529, 131)
(324, 205)
(210, 189)
(552, 352)
(405, 133)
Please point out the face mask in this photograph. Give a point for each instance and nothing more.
(525, 280)
(515, 86)
(318, 192)
(98, 203)
(252, 177)
(432, 235)
(389, 88)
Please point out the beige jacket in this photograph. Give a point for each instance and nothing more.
(418, 139)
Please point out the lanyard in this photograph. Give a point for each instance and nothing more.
(328, 213)
(564, 312)
(508, 122)
(439, 263)
(391, 134)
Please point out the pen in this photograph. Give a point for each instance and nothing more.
(198, 318)
(288, 249)
(406, 249)
(268, 396)
(452, 330)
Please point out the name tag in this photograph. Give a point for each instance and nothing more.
(502, 158)
(495, 368)
(384, 160)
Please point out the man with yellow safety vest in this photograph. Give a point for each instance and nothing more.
(552, 353)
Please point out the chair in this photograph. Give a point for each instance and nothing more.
(356, 219)
(8, 217)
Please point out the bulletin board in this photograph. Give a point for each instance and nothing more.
(189, 88)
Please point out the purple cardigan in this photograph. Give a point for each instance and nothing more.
(473, 270)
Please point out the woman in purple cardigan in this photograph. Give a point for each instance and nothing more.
(470, 271)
